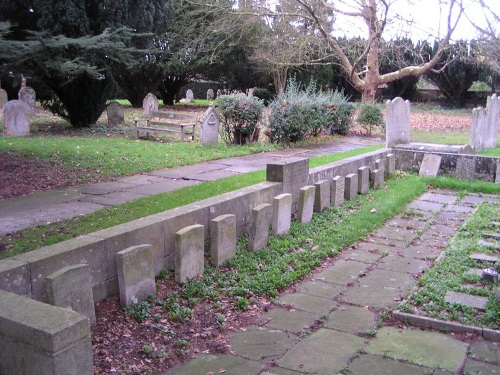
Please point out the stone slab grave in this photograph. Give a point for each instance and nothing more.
(16, 119)
(222, 239)
(476, 302)
(209, 127)
(430, 165)
(397, 122)
(136, 274)
(282, 214)
(71, 288)
(115, 113)
(189, 253)
(483, 257)
(258, 234)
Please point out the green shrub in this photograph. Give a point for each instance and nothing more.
(240, 116)
(264, 94)
(370, 116)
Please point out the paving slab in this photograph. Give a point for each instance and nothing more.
(458, 208)
(376, 248)
(444, 217)
(211, 176)
(112, 199)
(402, 264)
(162, 187)
(289, 320)
(280, 371)
(181, 172)
(447, 230)
(411, 223)
(392, 242)
(492, 245)
(320, 289)
(370, 364)
(422, 252)
(473, 367)
(352, 319)
(106, 187)
(485, 351)
(482, 257)
(395, 233)
(325, 352)
(427, 348)
(427, 206)
(307, 303)
(207, 363)
(476, 302)
(438, 197)
(142, 179)
(342, 272)
(261, 344)
(38, 200)
(360, 256)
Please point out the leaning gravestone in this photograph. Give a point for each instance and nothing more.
(479, 129)
(430, 165)
(3, 97)
(16, 119)
(209, 127)
(397, 127)
(116, 115)
(150, 104)
(28, 95)
(493, 112)
(210, 94)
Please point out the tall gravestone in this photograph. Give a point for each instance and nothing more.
(282, 214)
(337, 192)
(209, 127)
(189, 253)
(222, 239)
(258, 233)
(306, 204)
(116, 114)
(150, 104)
(493, 112)
(16, 119)
(479, 129)
(397, 126)
(189, 96)
(28, 95)
(3, 97)
(210, 94)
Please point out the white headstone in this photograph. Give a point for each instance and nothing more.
(493, 111)
(28, 95)
(150, 104)
(16, 119)
(209, 127)
(189, 95)
(479, 129)
(3, 97)
(116, 114)
(397, 123)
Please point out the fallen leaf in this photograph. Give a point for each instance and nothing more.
(373, 210)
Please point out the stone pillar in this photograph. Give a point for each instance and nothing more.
(282, 214)
(136, 274)
(493, 110)
(16, 119)
(149, 104)
(390, 164)
(209, 127)
(479, 129)
(189, 253)
(222, 239)
(397, 124)
(71, 288)
(337, 193)
(293, 173)
(258, 233)
(306, 204)
(322, 196)
(351, 186)
(363, 179)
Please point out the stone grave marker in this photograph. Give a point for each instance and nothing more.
(482, 257)
(222, 239)
(476, 302)
(390, 164)
(210, 94)
(466, 169)
(282, 214)
(116, 114)
(430, 165)
(136, 274)
(377, 178)
(189, 96)
(337, 193)
(351, 186)
(258, 233)
(397, 124)
(16, 119)
(490, 275)
(322, 196)
(189, 253)
(210, 127)
(71, 288)
(380, 165)
(28, 95)
(497, 173)
(363, 179)
(150, 104)
(306, 204)
(3, 97)
(479, 129)
(493, 112)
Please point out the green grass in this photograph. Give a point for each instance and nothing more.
(457, 137)
(37, 237)
(493, 152)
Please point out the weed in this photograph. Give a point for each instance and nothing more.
(241, 303)
(139, 312)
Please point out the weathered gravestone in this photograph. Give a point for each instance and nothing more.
(16, 119)
(210, 94)
(363, 179)
(222, 239)
(282, 213)
(465, 168)
(258, 233)
(306, 204)
(116, 114)
(136, 274)
(497, 174)
(3, 98)
(479, 129)
(71, 288)
(397, 123)
(189, 253)
(322, 196)
(493, 112)
(430, 165)
(189, 96)
(351, 186)
(209, 127)
(377, 178)
(150, 104)
(337, 192)
(390, 164)
(28, 95)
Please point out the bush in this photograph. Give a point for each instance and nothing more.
(263, 94)
(297, 114)
(240, 116)
(370, 115)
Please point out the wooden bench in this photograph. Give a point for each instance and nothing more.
(167, 122)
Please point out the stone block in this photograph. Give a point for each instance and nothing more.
(15, 277)
(282, 214)
(363, 180)
(189, 253)
(47, 260)
(466, 168)
(258, 233)
(430, 165)
(293, 173)
(36, 338)
(306, 203)
(71, 288)
(397, 128)
(390, 164)
(136, 274)
(351, 186)
(337, 192)
(377, 178)
(222, 239)
(322, 196)
(476, 302)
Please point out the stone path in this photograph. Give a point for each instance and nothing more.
(54, 205)
(327, 326)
